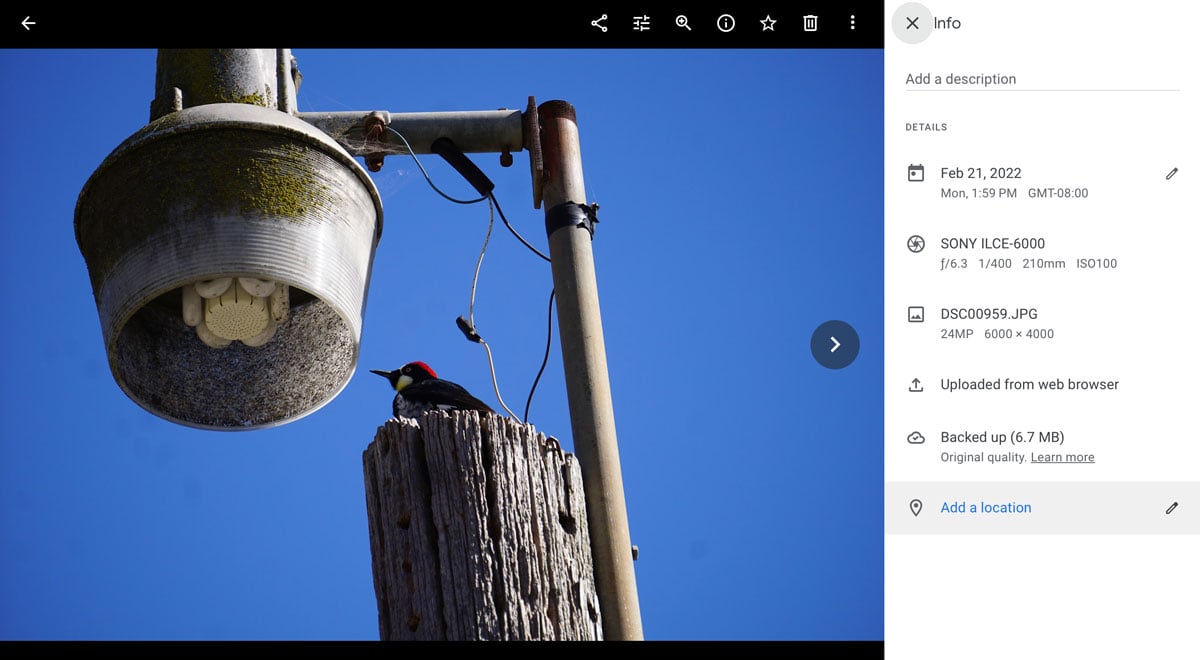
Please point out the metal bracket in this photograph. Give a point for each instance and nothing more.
(533, 144)
(373, 125)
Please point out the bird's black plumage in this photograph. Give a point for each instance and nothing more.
(419, 390)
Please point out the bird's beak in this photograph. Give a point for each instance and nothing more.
(381, 373)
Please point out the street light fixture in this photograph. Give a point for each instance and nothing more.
(229, 246)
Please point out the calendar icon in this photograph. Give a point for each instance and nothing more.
(916, 172)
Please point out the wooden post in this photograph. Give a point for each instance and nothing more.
(478, 532)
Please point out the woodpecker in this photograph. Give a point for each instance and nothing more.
(418, 390)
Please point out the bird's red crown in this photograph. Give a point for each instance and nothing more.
(423, 367)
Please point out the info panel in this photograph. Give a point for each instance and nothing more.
(1042, 451)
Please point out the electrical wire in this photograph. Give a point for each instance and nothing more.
(431, 184)
(490, 196)
(514, 231)
(545, 358)
(471, 332)
(471, 312)
(495, 385)
(479, 264)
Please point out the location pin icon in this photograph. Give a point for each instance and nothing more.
(915, 507)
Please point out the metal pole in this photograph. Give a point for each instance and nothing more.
(586, 366)
(476, 131)
(189, 77)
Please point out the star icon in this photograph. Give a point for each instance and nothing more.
(768, 23)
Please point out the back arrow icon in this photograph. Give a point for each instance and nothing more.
(28, 22)
(836, 344)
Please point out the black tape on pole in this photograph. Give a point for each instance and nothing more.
(570, 214)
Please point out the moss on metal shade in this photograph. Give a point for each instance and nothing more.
(229, 189)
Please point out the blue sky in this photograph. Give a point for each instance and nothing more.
(741, 199)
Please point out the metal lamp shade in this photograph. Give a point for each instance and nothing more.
(223, 190)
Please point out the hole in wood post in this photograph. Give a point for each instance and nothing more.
(414, 620)
(567, 522)
(406, 565)
(404, 519)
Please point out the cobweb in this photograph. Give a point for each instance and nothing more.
(391, 180)
(353, 140)
(398, 170)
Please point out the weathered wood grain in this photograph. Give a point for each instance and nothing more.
(478, 531)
